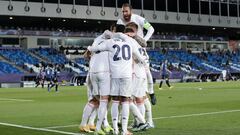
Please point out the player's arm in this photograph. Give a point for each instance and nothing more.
(145, 54)
(136, 52)
(87, 55)
(107, 34)
(142, 42)
(119, 21)
(102, 47)
(149, 28)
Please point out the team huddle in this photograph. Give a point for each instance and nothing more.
(119, 76)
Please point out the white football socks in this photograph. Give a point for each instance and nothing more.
(86, 113)
(136, 113)
(102, 110)
(148, 107)
(141, 108)
(114, 113)
(92, 117)
(125, 115)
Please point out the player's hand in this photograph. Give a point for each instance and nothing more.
(153, 99)
(107, 34)
(88, 48)
(87, 54)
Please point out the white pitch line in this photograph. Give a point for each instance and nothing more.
(53, 127)
(166, 117)
(14, 99)
(39, 129)
(196, 114)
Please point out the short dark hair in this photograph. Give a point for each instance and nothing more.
(113, 26)
(127, 5)
(120, 28)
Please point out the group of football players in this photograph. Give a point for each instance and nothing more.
(119, 78)
(48, 74)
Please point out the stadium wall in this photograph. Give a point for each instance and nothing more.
(32, 42)
(185, 18)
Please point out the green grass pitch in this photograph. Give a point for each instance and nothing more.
(187, 109)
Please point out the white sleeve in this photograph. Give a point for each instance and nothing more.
(136, 52)
(102, 47)
(121, 36)
(94, 43)
(142, 42)
(146, 25)
(119, 21)
(140, 20)
(150, 32)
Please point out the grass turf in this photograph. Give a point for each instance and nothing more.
(187, 109)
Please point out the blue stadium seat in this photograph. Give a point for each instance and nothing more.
(18, 56)
(52, 55)
(8, 69)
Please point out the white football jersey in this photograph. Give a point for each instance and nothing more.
(146, 56)
(140, 21)
(99, 60)
(138, 67)
(121, 48)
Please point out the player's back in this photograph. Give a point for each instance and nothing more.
(48, 73)
(138, 67)
(99, 61)
(120, 58)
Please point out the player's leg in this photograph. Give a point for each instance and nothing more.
(92, 118)
(56, 86)
(89, 107)
(95, 93)
(37, 82)
(106, 126)
(125, 93)
(52, 84)
(136, 113)
(125, 113)
(87, 111)
(49, 82)
(149, 80)
(104, 91)
(167, 82)
(115, 103)
(105, 121)
(140, 105)
(148, 108)
(42, 82)
(115, 113)
(161, 82)
(140, 91)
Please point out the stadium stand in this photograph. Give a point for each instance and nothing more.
(52, 55)
(8, 69)
(186, 62)
(18, 56)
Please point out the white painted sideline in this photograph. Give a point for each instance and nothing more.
(54, 127)
(166, 117)
(39, 129)
(13, 99)
(196, 114)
